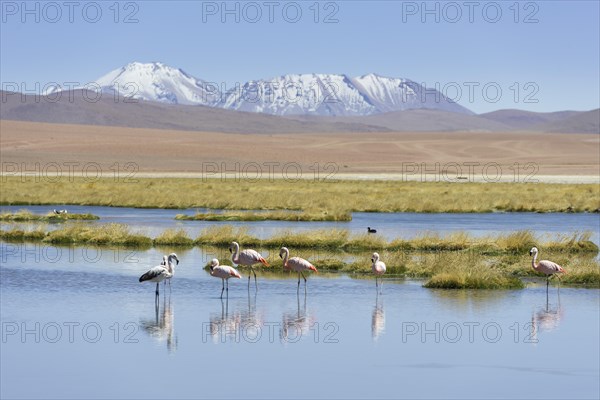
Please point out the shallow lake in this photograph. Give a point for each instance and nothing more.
(391, 225)
(77, 324)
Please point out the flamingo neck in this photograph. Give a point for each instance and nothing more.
(285, 258)
(235, 257)
(171, 265)
(533, 264)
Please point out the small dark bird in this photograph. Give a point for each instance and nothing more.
(371, 230)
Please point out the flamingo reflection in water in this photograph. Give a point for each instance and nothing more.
(377, 319)
(162, 326)
(546, 318)
(224, 326)
(297, 323)
(251, 320)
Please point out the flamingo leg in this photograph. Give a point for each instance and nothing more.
(255, 284)
(298, 280)
(157, 288)
(223, 287)
(303, 277)
(227, 288)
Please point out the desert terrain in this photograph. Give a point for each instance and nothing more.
(474, 156)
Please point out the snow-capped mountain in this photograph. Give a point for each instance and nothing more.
(158, 82)
(295, 94)
(311, 94)
(339, 95)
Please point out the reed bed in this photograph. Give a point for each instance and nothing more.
(267, 216)
(326, 197)
(451, 266)
(28, 216)
(329, 239)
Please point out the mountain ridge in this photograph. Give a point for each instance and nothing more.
(289, 94)
(77, 108)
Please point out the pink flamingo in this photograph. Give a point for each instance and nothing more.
(296, 263)
(224, 272)
(246, 257)
(378, 267)
(546, 267)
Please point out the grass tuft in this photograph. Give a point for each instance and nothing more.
(223, 235)
(317, 239)
(26, 215)
(267, 216)
(174, 237)
(108, 234)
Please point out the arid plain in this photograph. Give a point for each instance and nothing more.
(476, 156)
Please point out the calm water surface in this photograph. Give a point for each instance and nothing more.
(77, 324)
(391, 225)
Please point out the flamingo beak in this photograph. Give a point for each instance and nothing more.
(531, 253)
(230, 250)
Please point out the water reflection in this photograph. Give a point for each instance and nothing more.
(162, 327)
(296, 323)
(378, 319)
(242, 324)
(547, 318)
(251, 317)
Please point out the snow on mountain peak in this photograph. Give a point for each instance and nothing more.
(291, 94)
(157, 82)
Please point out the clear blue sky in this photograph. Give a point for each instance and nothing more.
(557, 52)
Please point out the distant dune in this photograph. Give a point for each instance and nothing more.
(77, 108)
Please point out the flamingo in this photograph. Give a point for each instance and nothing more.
(246, 257)
(378, 267)
(546, 267)
(296, 263)
(171, 266)
(224, 272)
(157, 274)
